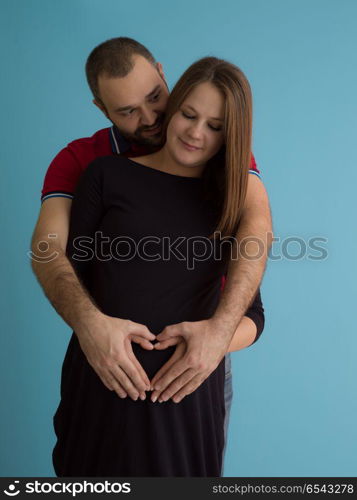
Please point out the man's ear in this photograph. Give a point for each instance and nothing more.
(161, 71)
(101, 107)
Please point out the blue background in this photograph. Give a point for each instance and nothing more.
(295, 403)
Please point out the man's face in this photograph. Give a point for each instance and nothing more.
(136, 103)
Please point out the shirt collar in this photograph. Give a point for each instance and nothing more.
(120, 145)
(117, 141)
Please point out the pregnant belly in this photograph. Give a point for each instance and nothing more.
(152, 361)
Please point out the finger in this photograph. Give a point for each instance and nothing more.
(106, 382)
(165, 368)
(124, 380)
(177, 385)
(188, 389)
(165, 335)
(116, 387)
(145, 343)
(138, 366)
(168, 332)
(120, 391)
(141, 331)
(167, 343)
(175, 371)
(104, 376)
(135, 373)
(143, 376)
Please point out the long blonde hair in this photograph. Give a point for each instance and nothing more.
(226, 174)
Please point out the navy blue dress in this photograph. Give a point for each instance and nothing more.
(155, 224)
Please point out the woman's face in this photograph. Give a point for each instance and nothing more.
(195, 131)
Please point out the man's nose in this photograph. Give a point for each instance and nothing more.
(148, 117)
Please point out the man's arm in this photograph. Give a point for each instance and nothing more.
(251, 326)
(53, 269)
(61, 285)
(253, 241)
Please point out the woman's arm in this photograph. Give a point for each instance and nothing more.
(244, 336)
(250, 327)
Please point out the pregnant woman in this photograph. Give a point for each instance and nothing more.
(146, 239)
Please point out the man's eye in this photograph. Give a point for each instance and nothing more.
(128, 113)
(186, 115)
(156, 97)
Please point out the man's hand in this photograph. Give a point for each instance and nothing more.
(105, 341)
(108, 350)
(187, 369)
(177, 356)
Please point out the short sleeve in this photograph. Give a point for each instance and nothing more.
(62, 176)
(253, 169)
(256, 313)
(87, 210)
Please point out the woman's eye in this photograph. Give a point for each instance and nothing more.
(216, 129)
(186, 115)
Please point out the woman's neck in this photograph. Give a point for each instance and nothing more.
(162, 160)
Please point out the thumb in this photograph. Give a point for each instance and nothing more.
(145, 344)
(167, 333)
(166, 343)
(142, 331)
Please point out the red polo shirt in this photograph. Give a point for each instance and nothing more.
(66, 168)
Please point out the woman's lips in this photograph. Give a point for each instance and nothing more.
(189, 146)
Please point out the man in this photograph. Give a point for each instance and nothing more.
(129, 88)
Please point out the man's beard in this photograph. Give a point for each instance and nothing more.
(137, 137)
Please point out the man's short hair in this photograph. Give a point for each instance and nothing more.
(113, 58)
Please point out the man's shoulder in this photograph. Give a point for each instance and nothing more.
(81, 152)
(68, 165)
(99, 143)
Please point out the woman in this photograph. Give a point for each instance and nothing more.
(189, 190)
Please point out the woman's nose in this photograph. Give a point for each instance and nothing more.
(195, 131)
